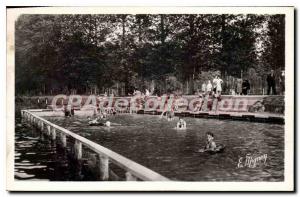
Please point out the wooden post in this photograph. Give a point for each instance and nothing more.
(78, 149)
(104, 167)
(92, 160)
(53, 136)
(42, 126)
(130, 177)
(48, 130)
(63, 139)
(42, 136)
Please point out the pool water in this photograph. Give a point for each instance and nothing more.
(156, 144)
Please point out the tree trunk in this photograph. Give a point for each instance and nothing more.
(162, 29)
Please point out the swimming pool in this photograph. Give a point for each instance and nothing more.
(154, 143)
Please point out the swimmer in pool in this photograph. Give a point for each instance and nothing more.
(95, 121)
(181, 124)
(170, 115)
(210, 143)
(102, 115)
(107, 124)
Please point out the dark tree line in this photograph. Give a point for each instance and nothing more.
(93, 53)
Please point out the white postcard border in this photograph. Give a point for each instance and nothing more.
(286, 185)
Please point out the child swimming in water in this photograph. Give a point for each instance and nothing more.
(181, 124)
(210, 144)
(170, 115)
(107, 124)
(95, 121)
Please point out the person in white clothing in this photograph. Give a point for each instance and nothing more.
(203, 88)
(147, 93)
(214, 83)
(181, 124)
(209, 87)
(219, 83)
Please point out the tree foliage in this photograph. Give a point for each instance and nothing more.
(92, 53)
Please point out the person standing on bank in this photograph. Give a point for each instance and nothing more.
(209, 87)
(203, 87)
(282, 82)
(271, 83)
(219, 83)
(214, 83)
(245, 87)
(239, 87)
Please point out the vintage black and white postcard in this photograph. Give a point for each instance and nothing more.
(150, 99)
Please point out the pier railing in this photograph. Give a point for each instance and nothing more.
(133, 170)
